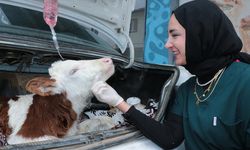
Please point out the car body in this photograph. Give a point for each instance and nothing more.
(85, 30)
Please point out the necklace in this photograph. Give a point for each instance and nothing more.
(204, 84)
(214, 81)
(214, 78)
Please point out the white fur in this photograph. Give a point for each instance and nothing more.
(78, 91)
(96, 124)
(18, 112)
(75, 78)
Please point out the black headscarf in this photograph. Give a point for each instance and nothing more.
(211, 40)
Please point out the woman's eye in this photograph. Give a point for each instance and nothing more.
(175, 35)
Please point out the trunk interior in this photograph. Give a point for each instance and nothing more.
(146, 82)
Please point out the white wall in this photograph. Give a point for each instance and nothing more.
(138, 36)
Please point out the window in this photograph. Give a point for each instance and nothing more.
(133, 25)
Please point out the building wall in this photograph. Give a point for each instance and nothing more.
(138, 35)
(158, 13)
(156, 33)
(238, 12)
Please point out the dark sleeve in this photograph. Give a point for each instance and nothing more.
(167, 135)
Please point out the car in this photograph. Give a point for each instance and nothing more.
(85, 30)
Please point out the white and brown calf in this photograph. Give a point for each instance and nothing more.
(53, 110)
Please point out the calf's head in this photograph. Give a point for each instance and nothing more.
(72, 77)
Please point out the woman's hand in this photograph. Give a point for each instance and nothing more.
(106, 94)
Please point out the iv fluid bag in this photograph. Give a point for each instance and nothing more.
(50, 12)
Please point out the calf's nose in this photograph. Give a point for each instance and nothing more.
(106, 60)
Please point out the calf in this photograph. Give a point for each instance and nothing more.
(53, 109)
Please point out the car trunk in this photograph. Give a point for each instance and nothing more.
(145, 81)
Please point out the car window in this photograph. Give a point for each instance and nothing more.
(26, 22)
(34, 20)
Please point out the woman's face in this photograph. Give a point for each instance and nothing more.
(176, 41)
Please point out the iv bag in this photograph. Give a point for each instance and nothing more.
(50, 12)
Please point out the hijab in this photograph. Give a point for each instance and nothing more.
(211, 40)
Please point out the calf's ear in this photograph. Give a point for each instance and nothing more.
(42, 86)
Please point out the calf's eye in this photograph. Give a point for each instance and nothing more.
(73, 71)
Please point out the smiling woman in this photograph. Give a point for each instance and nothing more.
(177, 41)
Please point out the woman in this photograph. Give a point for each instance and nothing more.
(211, 110)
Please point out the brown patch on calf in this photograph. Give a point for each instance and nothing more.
(4, 119)
(41, 86)
(49, 115)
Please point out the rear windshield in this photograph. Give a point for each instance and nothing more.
(25, 22)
